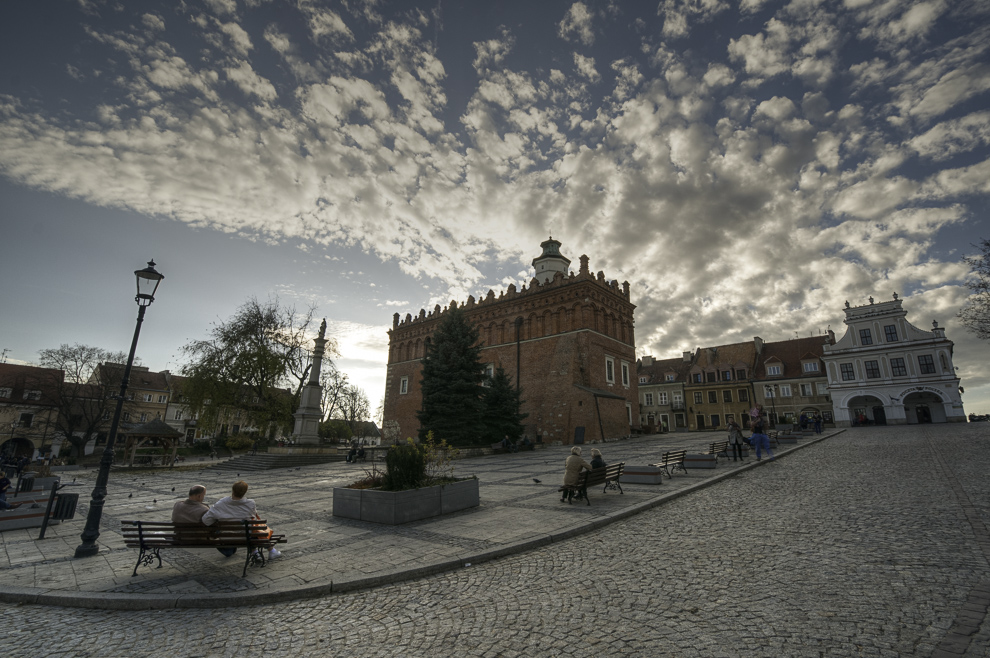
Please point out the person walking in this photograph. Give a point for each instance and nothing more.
(736, 440)
(760, 439)
(818, 423)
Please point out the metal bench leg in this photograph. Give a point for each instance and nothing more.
(255, 557)
(146, 557)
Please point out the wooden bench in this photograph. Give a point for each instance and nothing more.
(718, 448)
(609, 476)
(150, 537)
(671, 461)
(513, 447)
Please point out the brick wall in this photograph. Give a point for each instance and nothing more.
(570, 327)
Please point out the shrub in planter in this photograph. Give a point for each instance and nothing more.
(405, 467)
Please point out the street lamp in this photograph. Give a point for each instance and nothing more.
(148, 280)
(771, 390)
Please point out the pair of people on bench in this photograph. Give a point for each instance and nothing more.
(575, 464)
(234, 507)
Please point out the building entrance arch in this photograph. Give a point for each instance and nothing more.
(16, 448)
(867, 410)
(926, 406)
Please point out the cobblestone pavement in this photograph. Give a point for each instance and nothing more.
(871, 543)
(519, 507)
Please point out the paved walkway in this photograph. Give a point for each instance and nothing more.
(325, 553)
(871, 542)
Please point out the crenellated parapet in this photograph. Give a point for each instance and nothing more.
(536, 287)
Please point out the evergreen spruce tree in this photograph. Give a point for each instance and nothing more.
(502, 404)
(451, 384)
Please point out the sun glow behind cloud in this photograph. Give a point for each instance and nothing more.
(749, 191)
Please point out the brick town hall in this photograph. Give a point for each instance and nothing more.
(568, 339)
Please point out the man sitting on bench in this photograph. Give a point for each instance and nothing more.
(237, 508)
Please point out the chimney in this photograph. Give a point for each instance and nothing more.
(758, 342)
(687, 356)
(647, 361)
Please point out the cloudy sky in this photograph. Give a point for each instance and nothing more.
(747, 166)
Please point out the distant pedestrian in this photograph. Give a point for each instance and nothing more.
(735, 440)
(818, 423)
(760, 439)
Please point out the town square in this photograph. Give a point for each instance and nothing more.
(509, 328)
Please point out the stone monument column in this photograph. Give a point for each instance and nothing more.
(309, 414)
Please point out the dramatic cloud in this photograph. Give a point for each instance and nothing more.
(576, 25)
(799, 155)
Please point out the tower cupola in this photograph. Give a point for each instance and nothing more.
(550, 261)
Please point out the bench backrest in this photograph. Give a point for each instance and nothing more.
(600, 475)
(718, 446)
(674, 456)
(162, 533)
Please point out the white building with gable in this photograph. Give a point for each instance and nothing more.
(886, 371)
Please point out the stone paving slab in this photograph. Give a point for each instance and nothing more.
(325, 553)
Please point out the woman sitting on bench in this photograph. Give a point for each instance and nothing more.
(572, 471)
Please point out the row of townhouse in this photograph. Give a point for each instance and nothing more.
(884, 370)
(39, 409)
(708, 388)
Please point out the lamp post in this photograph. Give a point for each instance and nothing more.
(771, 389)
(148, 280)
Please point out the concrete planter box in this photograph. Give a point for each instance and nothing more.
(397, 507)
(641, 474)
(787, 440)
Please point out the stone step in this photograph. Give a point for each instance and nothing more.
(265, 462)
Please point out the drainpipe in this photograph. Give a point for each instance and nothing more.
(519, 322)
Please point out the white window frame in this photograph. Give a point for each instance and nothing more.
(144, 418)
(177, 415)
(677, 398)
(6, 392)
(809, 389)
(642, 380)
(671, 378)
(662, 398)
(648, 399)
(147, 397)
(625, 374)
(785, 391)
(773, 370)
(609, 370)
(404, 386)
(811, 367)
(162, 399)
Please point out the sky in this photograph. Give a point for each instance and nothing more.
(747, 166)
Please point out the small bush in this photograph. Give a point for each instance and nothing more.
(439, 459)
(405, 467)
(239, 442)
(373, 479)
